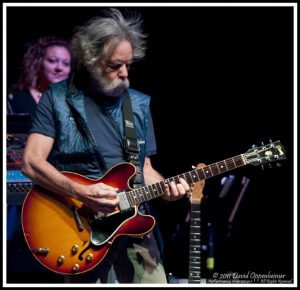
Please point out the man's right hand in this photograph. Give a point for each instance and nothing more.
(101, 197)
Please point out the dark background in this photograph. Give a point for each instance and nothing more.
(221, 80)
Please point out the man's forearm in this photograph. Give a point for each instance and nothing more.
(44, 174)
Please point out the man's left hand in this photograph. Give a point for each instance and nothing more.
(175, 191)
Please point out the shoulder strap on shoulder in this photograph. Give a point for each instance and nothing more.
(131, 143)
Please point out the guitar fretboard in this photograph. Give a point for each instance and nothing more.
(195, 246)
(154, 190)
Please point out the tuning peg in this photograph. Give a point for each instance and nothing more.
(270, 166)
(254, 146)
(270, 140)
(193, 167)
(262, 143)
(262, 167)
(278, 164)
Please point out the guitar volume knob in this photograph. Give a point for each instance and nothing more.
(60, 259)
(89, 257)
(75, 268)
(75, 249)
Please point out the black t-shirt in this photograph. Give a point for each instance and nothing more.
(102, 128)
(20, 101)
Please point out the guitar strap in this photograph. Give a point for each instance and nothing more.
(131, 143)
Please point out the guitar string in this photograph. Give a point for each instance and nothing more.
(154, 190)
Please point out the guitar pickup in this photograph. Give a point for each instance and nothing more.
(124, 203)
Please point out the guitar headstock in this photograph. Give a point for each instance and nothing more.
(271, 152)
(196, 191)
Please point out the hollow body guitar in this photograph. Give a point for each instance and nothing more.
(67, 238)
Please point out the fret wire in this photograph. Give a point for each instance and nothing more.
(217, 168)
(240, 159)
(150, 190)
(133, 197)
(195, 214)
(204, 173)
(230, 163)
(195, 177)
(161, 184)
(190, 178)
(214, 169)
(234, 162)
(226, 165)
(154, 189)
(223, 166)
(183, 176)
(138, 196)
(129, 198)
(195, 247)
(195, 244)
(197, 174)
(147, 194)
(194, 259)
(207, 171)
(141, 196)
(200, 171)
(158, 188)
(237, 160)
(178, 177)
(139, 199)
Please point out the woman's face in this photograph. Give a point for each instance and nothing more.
(56, 64)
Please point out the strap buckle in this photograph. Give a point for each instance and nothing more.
(131, 145)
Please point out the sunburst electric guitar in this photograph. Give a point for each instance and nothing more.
(67, 238)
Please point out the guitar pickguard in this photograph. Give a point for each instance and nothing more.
(105, 227)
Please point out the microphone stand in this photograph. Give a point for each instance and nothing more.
(245, 183)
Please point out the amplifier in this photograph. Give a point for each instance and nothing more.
(17, 186)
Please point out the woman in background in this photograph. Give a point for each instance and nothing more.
(46, 61)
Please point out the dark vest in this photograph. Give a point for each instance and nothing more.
(75, 148)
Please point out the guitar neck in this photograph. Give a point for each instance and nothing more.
(195, 246)
(145, 193)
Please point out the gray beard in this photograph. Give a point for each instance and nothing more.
(110, 88)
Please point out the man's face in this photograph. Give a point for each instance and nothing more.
(114, 77)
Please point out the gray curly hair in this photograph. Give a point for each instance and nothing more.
(98, 38)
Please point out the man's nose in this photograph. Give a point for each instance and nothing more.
(123, 71)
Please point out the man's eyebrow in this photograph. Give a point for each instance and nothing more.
(119, 61)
